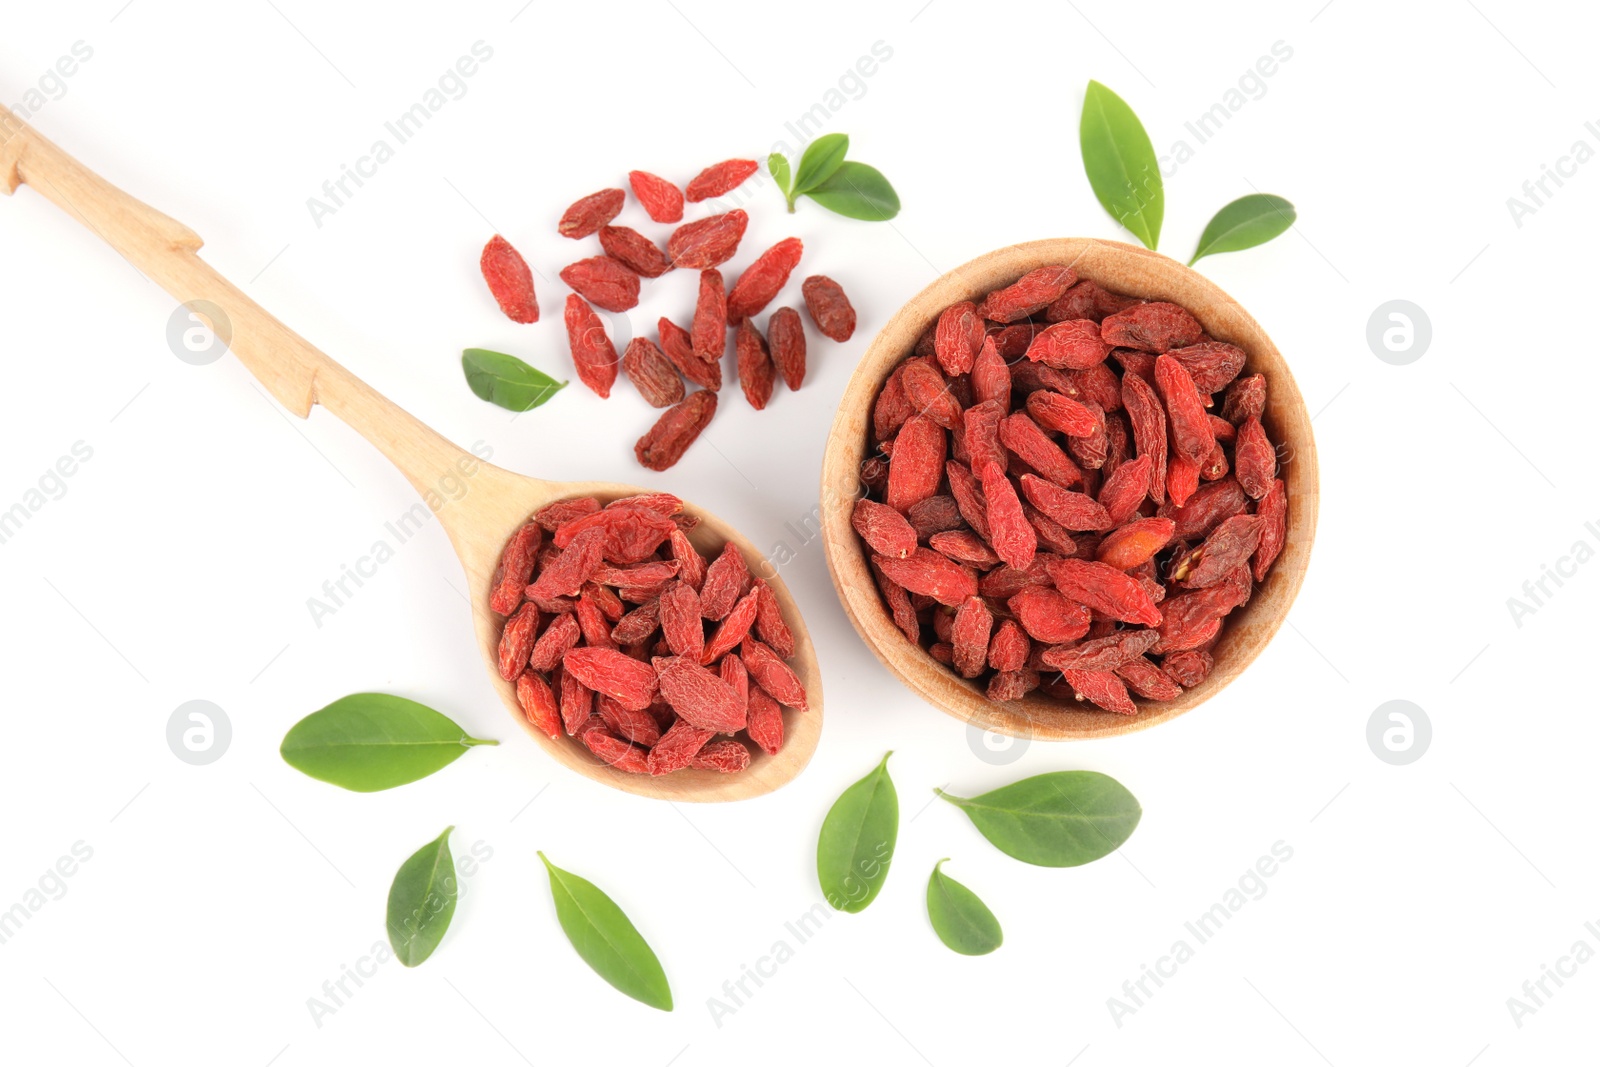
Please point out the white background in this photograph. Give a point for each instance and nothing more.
(178, 563)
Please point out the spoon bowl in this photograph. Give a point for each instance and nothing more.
(478, 522)
(1124, 269)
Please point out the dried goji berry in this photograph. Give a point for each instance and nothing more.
(652, 373)
(1053, 536)
(727, 756)
(1023, 437)
(1104, 589)
(1059, 413)
(1101, 653)
(1148, 680)
(538, 704)
(681, 621)
(604, 282)
(915, 463)
(883, 528)
(509, 280)
(635, 251)
(991, 378)
(1102, 689)
(1154, 327)
(969, 636)
(677, 428)
(1089, 450)
(732, 629)
(594, 357)
(731, 669)
(754, 362)
(594, 624)
(1189, 620)
(1274, 512)
(1074, 510)
(762, 279)
(957, 337)
(1047, 616)
(1071, 345)
(830, 309)
(638, 624)
(699, 696)
(1191, 431)
(1245, 399)
(891, 408)
(927, 572)
(587, 215)
(765, 721)
(516, 641)
(577, 703)
(678, 347)
(1012, 685)
(786, 336)
(562, 633)
(930, 394)
(709, 332)
(1188, 668)
(1227, 548)
(1183, 478)
(770, 625)
(1008, 648)
(613, 673)
(515, 569)
(968, 495)
(617, 752)
(1255, 460)
(1209, 505)
(1125, 489)
(706, 243)
(727, 579)
(553, 516)
(1212, 364)
(1087, 300)
(576, 564)
(677, 747)
(719, 178)
(1032, 292)
(1216, 464)
(630, 724)
(769, 671)
(660, 198)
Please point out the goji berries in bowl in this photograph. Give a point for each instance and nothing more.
(1070, 491)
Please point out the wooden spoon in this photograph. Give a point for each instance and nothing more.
(478, 522)
(1124, 269)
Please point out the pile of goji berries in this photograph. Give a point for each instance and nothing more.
(611, 281)
(1078, 491)
(621, 634)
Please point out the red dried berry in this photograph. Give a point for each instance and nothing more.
(786, 335)
(1187, 668)
(594, 357)
(617, 752)
(1255, 460)
(595, 625)
(1010, 534)
(1009, 647)
(1062, 414)
(577, 703)
(509, 280)
(958, 337)
(652, 373)
(726, 756)
(916, 463)
(884, 529)
(1149, 423)
(1212, 364)
(586, 216)
(1023, 437)
(1148, 680)
(719, 178)
(1104, 589)
(634, 250)
(756, 373)
(1183, 478)
(765, 721)
(603, 282)
(1101, 653)
(927, 572)
(761, 280)
(515, 569)
(1029, 293)
(1071, 345)
(660, 198)
(991, 377)
(553, 516)
(969, 637)
(516, 641)
(1125, 489)
(1274, 512)
(1131, 545)
(539, 704)
(830, 309)
(677, 428)
(1221, 554)
(705, 243)
(699, 696)
(930, 394)
(772, 674)
(1048, 616)
(732, 629)
(681, 622)
(1102, 689)
(615, 674)
(1246, 398)
(727, 579)
(1154, 327)
(677, 747)
(709, 333)
(575, 565)
(563, 633)
(1076, 511)
(678, 347)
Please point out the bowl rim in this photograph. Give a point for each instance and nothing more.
(1152, 276)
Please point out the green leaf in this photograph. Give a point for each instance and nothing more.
(1121, 165)
(606, 940)
(422, 901)
(963, 922)
(858, 191)
(1248, 221)
(857, 841)
(778, 165)
(1061, 819)
(506, 380)
(822, 158)
(371, 741)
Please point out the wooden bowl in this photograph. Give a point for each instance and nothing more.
(1124, 269)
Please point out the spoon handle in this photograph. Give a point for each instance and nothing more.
(293, 370)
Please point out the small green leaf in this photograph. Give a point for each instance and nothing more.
(422, 901)
(963, 922)
(1248, 221)
(371, 741)
(823, 156)
(606, 940)
(506, 380)
(857, 841)
(1061, 819)
(858, 191)
(1120, 163)
(778, 165)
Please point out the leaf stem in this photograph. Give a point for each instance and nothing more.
(469, 742)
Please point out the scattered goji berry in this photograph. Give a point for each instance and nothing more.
(510, 280)
(594, 357)
(635, 251)
(678, 346)
(677, 428)
(604, 282)
(786, 337)
(762, 279)
(652, 373)
(754, 362)
(587, 215)
(661, 199)
(708, 333)
(719, 178)
(706, 243)
(830, 309)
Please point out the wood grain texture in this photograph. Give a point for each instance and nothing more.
(478, 521)
(1125, 269)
